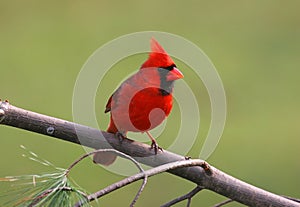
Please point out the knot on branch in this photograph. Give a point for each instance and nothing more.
(207, 169)
(50, 130)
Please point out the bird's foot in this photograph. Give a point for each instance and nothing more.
(120, 136)
(155, 146)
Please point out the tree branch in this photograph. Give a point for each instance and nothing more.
(218, 182)
(142, 175)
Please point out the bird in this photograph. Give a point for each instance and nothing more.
(143, 101)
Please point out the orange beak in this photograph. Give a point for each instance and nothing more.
(174, 75)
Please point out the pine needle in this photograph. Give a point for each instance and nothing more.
(47, 189)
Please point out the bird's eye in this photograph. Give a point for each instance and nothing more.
(170, 67)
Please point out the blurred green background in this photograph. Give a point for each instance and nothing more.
(254, 45)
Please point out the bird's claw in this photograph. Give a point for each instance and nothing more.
(155, 146)
(120, 136)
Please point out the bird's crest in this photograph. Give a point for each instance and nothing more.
(158, 57)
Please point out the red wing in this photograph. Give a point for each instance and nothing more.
(115, 96)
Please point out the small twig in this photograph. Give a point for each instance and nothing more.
(120, 154)
(223, 203)
(141, 175)
(140, 191)
(187, 196)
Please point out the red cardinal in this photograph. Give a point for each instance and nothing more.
(142, 101)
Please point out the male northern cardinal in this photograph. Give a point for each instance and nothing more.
(142, 101)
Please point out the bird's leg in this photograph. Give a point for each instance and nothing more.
(154, 144)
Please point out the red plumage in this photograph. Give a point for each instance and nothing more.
(144, 100)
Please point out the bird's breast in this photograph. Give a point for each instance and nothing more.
(144, 111)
